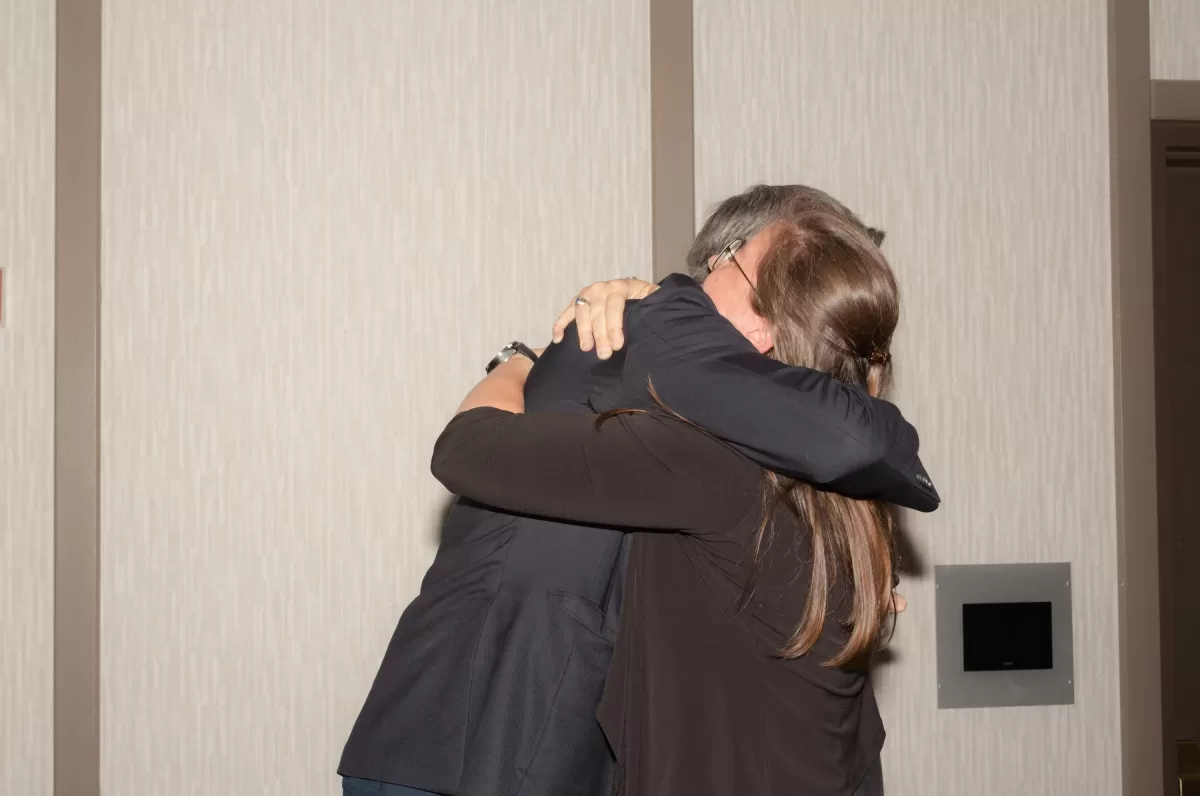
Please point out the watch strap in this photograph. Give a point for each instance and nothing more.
(508, 352)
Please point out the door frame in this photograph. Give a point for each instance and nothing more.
(1175, 100)
(1175, 127)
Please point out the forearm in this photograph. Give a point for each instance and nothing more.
(503, 388)
(637, 471)
(799, 422)
(804, 424)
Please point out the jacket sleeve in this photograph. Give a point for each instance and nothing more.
(799, 422)
(636, 471)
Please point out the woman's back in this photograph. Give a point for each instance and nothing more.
(697, 702)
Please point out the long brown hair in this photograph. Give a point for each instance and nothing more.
(833, 305)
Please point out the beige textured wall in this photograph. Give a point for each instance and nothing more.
(320, 221)
(977, 135)
(27, 396)
(1175, 39)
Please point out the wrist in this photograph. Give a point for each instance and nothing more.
(517, 364)
(514, 350)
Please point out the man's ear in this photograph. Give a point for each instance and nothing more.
(761, 338)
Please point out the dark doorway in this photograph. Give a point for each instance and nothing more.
(1176, 185)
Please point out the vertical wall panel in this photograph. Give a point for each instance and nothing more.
(27, 395)
(977, 135)
(1175, 39)
(320, 221)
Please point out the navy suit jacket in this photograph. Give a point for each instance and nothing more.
(491, 681)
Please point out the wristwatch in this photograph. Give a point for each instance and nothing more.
(508, 352)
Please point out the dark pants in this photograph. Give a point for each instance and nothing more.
(365, 787)
(872, 784)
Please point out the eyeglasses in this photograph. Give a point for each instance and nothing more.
(728, 254)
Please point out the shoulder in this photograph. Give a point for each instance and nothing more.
(679, 324)
(564, 377)
(678, 296)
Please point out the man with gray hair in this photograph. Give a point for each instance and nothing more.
(492, 679)
(743, 216)
(739, 218)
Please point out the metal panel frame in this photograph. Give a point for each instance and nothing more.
(1003, 583)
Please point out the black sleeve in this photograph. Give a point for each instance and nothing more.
(637, 471)
(799, 422)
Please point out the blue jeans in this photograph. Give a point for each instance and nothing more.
(352, 786)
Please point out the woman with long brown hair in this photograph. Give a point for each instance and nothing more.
(753, 603)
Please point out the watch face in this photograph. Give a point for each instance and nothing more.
(498, 360)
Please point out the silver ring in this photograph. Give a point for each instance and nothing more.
(582, 302)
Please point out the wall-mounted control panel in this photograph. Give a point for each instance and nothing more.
(1004, 635)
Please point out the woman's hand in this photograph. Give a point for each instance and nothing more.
(599, 314)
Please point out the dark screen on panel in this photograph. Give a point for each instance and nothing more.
(1001, 637)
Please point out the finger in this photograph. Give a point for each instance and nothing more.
(614, 320)
(600, 329)
(565, 318)
(639, 288)
(583, 324)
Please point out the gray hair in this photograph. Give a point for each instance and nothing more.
(753, 210)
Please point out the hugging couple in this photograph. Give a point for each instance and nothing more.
(671, 558)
